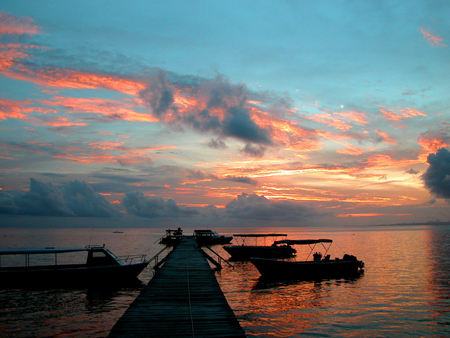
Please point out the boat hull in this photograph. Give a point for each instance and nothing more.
(69, 275)
(245, 252)
(270, 268)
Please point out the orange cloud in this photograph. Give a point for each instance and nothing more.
(370, 215)
(67, 78)
(339, 120)
(351, 150)
(432, 39)
(12, 53)
(401, 114)
(12, 109)
(329, 119)
(58, 121)
(296, 138)
(110, 108)
(11, 25)
(101, 158)
(380, 161)
(433, 140)
(385, 137)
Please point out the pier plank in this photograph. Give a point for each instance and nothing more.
(183, 299)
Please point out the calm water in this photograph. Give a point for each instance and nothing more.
(405, 290)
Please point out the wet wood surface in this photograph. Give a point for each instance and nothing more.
(183, 299)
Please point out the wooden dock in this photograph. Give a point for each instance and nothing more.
(183, 299)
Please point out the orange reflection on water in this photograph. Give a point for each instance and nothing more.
(391, 298)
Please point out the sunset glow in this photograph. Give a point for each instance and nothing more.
(320, 124)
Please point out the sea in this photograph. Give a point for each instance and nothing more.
(403, 292)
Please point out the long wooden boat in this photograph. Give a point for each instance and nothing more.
(19, 267)
(209, 237)
(172, 237)
(244, 251)
(321, 265)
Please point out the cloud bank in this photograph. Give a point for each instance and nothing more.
(136, 203)
(75, 199)
(258, 207)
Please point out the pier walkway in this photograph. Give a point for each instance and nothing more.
(183, 299)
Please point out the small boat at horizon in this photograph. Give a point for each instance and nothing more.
(245, 251)
(39, 268)
(320, 267)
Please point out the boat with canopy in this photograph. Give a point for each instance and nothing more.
(246, 250)
(50, 265)
(320, 266)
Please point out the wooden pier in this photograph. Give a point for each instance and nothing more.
(183, 299)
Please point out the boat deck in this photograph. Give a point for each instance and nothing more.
(183, 299)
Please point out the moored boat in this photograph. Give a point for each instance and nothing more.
(245, 251)
(320, 267)
(209, 237)
(50, 266)
(172, 237)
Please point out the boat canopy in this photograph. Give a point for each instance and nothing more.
(259, 235)
(303, 241)
(48, 250)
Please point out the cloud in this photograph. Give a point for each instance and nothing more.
(245, 180)
(412, 171)
(75, 198)
(215, 106)
(432, 39)
(434, 139)
(216, 144)
(258, 207)
(138, 204)
(159, 93)
(437, 176)
(254, 150)
(12, 25)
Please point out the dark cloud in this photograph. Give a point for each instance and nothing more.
(254, 150)
(258, 207)
(74, 198)
(216, 144)
(412, 171)
(122, 188)
(200, 175)
(245, 180)
(437, 176)
(238, 124)
(215, 95)
(53, 175)
(159, 94)
(120, 178)
(138, 204)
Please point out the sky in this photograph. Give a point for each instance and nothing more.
(233, 113)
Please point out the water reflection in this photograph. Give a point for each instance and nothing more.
(267, 283)
(439, 277)
(68, 312)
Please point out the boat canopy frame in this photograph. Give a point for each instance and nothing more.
(121, 260)
(243, 237)
(311, 242)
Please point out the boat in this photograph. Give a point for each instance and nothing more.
(321, 266)
(245, 251)
(209, 237)
(172, 237)
(50, 265)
